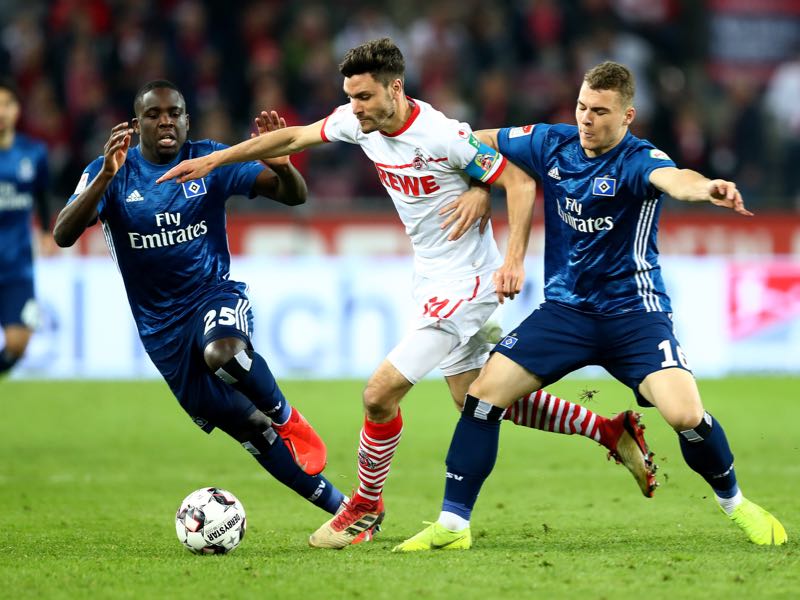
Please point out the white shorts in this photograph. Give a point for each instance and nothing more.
(457, 308)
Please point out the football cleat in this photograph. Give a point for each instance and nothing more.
(367, 535)
(436, 537)
(626, 445)
(306, 447)
(759, 525)
(350, 526)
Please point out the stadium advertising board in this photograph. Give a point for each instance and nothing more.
(332, 317)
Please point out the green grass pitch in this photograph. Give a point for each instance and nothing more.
(92, 473)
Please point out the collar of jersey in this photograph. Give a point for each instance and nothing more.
(411, 119)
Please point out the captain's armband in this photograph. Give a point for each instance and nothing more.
(487, 164)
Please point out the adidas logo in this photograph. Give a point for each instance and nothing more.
(134, 196)
(554, 173)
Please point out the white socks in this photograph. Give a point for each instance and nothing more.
(452, 521)
(729, 504)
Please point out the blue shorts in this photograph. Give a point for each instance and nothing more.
(16, 300)
(555, 340)
(209, 401)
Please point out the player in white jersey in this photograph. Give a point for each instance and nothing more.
(425, 161)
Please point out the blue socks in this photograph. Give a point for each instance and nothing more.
(271, 453)
(705, 449)
(259, 385)
(472, 454)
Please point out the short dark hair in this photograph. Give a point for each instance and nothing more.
(380, 58)
(7, 83)
(153, 85)
(610, 75)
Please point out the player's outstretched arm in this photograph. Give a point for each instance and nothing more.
(76, 216)
(281, 182)
(691, 186)
(275, 143)
(520, 195)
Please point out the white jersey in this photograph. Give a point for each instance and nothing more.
(422, 166)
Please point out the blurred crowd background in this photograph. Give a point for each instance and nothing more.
(718, 80)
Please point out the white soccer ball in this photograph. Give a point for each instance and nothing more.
(210, 521)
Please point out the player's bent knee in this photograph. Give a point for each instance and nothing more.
(687, 418)
(378, 404)
(235, 369)
(219, 352)
(16, 341)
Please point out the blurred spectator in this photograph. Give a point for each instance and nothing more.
(783, 106)
(512, 62)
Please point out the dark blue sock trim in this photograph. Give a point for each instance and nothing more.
(457, 508)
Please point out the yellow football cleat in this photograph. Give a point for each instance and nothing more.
(759, 525)
(436, 537)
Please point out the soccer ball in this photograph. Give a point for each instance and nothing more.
(210, 521)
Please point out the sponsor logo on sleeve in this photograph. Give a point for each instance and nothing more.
(656, 153)
(193, 189)
(82, 183)
(604, 186)
(473, 141)
(520, 131)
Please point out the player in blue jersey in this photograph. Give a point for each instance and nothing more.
(23, 184)
(171, 247)
(605, 301)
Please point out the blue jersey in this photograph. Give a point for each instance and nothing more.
(23, 177)
(600, 217)
(169, 241)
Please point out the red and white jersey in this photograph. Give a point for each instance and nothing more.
(422, 166)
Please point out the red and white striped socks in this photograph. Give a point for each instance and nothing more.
(375, 452)
(544, 411)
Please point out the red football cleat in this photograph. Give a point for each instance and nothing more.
(624, 438)
(307, 448)
(356, 523)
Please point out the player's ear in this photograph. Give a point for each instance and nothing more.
(135, 125)
(397, 86)
(630, 115)
(187, 122)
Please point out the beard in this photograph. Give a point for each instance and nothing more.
(376, 121)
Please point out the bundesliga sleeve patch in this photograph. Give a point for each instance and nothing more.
(82, 183)
(656, 153)
(516, 132)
